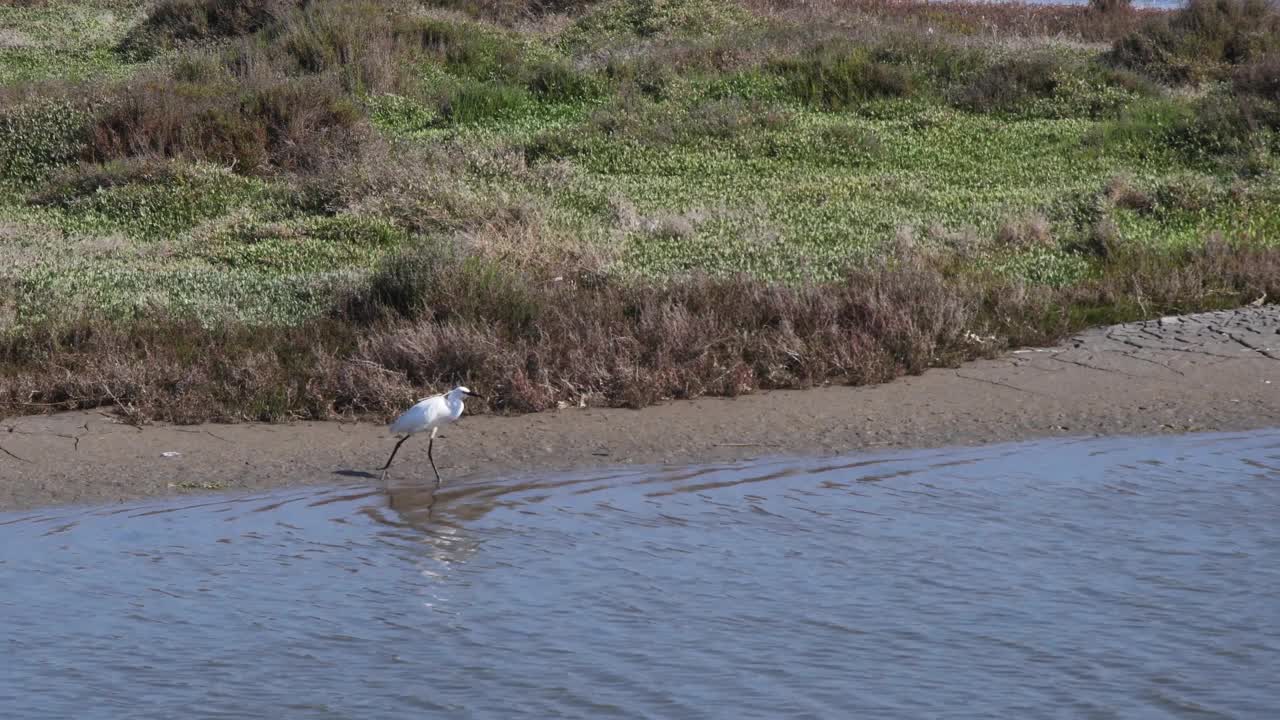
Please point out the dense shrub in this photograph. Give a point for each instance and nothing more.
(1202, 40)
(1214, 128)
(836, 76)
(1260, 77)
(289, 124)
(1111, 7)
(1231, 125)
(558, 81)
(436, 284)
(613, 20)
(175, 22)
(1007, 85)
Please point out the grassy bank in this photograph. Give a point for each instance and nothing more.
(230, 209)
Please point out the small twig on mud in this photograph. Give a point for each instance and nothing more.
(132, 415)
(216, 436)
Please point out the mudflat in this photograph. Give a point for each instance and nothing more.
(1212, 371)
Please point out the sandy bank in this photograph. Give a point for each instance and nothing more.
(1215, 371)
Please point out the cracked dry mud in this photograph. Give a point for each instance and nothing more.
(1213, 371)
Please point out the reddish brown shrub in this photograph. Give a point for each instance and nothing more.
(1260, 77)
(268, 125)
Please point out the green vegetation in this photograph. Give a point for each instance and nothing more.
(67, 41)
(274, 208)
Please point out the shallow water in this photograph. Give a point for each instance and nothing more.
(1096, 578)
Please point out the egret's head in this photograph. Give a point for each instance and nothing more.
(463, 390)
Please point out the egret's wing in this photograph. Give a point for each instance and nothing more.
(434, 409)
(420, 416)
(405, 422)
(408, 421)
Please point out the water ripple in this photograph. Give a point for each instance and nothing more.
(1075, 578)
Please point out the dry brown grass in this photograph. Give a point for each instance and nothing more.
(1029, 231)
(1122, 191)
(433, 319)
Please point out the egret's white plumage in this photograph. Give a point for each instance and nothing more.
(429, 414)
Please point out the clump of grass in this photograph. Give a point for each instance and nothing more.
(1030, 231)
(556, 80)
(1188, 192)
(1123, 192)
(435, 285)
(472, 102)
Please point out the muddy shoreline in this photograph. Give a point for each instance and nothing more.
(1214, 371)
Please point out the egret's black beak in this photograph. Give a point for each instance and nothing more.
(476, 395)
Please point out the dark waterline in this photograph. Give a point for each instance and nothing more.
(1093, 578)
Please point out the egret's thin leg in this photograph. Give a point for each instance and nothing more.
(431, 442)
(394, 451)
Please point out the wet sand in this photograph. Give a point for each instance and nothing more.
(1215, 371)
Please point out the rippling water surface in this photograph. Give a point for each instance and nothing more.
(1103, 579)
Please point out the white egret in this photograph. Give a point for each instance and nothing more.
(429, 414)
